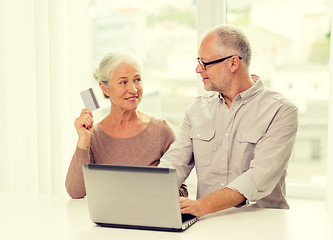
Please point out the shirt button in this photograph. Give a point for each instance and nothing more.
(198, 135)
(226, 134)
(222, 184)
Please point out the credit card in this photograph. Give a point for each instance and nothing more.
(89, 99)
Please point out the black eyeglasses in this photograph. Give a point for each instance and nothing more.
(204, 64)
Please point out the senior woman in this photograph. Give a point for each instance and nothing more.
(126, 136)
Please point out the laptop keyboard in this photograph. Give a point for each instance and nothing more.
(186, 217)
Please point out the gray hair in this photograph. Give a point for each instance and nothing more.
(233, 40)
(111, 61)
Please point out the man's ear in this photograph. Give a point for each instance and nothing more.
(234, 63)
(104, 89)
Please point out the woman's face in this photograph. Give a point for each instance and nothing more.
(125, 87)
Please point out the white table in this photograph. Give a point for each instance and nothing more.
(53, 217)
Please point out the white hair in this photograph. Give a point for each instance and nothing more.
(112, 61)
(231, 39)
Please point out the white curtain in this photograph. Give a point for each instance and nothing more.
(44, 64)
(329, 187)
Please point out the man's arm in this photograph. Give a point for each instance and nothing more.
(220, 200)
(180, 154)
(270, 157)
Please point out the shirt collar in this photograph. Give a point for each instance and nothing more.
(249, 93)
(252, 91)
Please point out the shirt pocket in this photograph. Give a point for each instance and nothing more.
(202, 139)
(247, 142)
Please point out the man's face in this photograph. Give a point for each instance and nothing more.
(215, 76)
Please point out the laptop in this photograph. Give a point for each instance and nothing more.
(134, 197)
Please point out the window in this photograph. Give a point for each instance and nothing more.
(163, 34)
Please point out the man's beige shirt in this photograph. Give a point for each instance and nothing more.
(245, 147)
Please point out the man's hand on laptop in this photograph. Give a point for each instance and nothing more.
(219, 200)
(194, 207)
